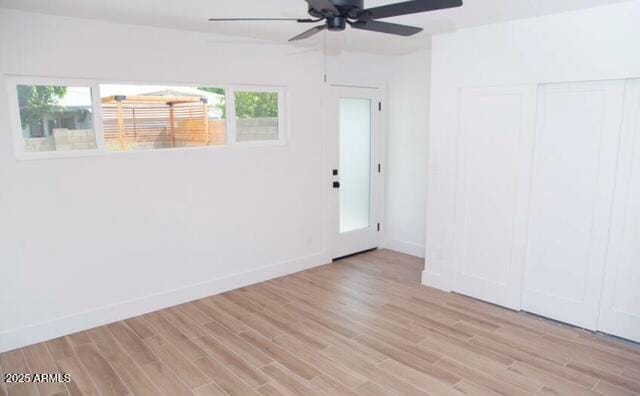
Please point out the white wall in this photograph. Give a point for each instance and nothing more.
(85, 241)
(407, 110)
(594, 44)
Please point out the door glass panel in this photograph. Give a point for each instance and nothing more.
(355, 164)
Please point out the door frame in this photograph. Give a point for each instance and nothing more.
(378, 198)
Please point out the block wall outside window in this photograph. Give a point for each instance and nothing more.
(56, 118)
(256, 116)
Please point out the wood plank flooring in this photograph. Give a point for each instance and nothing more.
(360, 326)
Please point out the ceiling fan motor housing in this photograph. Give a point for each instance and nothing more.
(346, 8)
(336, 23)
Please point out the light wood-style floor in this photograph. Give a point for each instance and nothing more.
(363, 325)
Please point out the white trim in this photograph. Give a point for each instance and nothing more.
(23, 336)
(177, 83)
(230, 95)
(98, 126)
(437, 281)
(12, 81)
(363, 84)
(411, 248)
(382, 160)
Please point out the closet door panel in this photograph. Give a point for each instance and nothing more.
(576, 147)
(620, 306)
(494, 161)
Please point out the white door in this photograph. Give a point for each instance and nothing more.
(576, 147)
(494, 166)
(620, 306)
(354, 172)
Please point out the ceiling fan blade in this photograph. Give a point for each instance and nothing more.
(407, 7)
(323, 5)
(299, 20)
(385, 27)
(309, 33)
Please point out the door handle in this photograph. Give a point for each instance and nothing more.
(336, 184)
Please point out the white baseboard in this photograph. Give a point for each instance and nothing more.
(23, 336)
(436, 281)
(411, 248)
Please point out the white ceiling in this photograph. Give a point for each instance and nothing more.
(193, 14)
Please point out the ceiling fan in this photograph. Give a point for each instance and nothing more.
(337, 14)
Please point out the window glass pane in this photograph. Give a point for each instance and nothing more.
(145, 117)
(56, 118)
(355, 164)
(256, 116)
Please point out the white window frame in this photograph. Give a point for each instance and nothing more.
(16, 125)
(231, 114)
(13, 81)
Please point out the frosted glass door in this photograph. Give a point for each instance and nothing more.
(354, 169)
(355, 164)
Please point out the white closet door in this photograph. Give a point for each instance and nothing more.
(494, 165)
(576, 147)
(620, 307)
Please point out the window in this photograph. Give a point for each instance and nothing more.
(56, 118)
(256, 116)
(137, 117)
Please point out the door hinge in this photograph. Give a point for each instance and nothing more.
(378, 226)
(379, 106)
